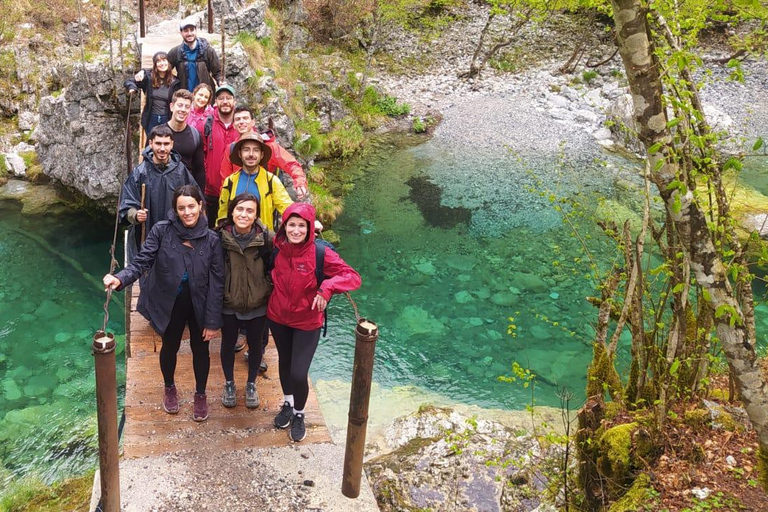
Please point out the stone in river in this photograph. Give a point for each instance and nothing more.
(49, 309)
(463, 297)
(40, 385)
(505, 299)
(426, 267)
(529, 282)
(11, 391)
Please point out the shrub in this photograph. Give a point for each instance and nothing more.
(419, 126)
(588, 76)
(388, 105)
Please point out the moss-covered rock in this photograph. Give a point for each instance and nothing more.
(615, 446)
(639, 494)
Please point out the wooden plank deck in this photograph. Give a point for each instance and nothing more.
(150, 431)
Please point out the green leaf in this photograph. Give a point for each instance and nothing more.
(655, 148)
(706, 295)
(673, 122)
(758, 144)
(678, 288)
(675, 366)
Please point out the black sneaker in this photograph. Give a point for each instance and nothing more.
(298, 431)
(283, 418)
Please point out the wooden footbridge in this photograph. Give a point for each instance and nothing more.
(150, 431)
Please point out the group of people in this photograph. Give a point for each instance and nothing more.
(259, 270)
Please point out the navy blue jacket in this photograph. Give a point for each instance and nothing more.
(166, 258)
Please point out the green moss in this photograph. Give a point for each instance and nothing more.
(615, 446)
(602, 376)
(613, 409)
(762, 467)
(636, 497)
(696, 417)
(31, 494)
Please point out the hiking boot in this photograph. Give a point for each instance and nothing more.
(200, 411)
(251, 395)
(298, 430)
(240, 343)
(283, 418)
(170, 400)
(228, 397)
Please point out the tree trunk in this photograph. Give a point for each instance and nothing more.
(636, 49)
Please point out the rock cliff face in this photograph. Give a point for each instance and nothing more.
(81, 133)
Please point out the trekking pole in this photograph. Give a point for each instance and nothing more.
(103, 349)
(366, 335)
(143, 224)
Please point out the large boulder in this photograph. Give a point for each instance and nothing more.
(240, 16)
(80, 138)
(449, 462)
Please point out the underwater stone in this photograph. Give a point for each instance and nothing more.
(49, 309)
(475, 321)
(505, 299)
(460, 262)
(554, 295)
(40, 385)
(11, 391)
(417, 279)
(463, 297)
(540, 332)
(64, 374)
(483, 293)
(62, 337)
(426, 267)
(494, 335)
(418, 321)
(529, 282)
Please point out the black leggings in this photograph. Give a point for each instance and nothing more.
(184, 314)
(253, 332)
(295, 350)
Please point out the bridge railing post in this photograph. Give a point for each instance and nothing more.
(106, 411)
(210, 16)
(142, 23)
(366, 335)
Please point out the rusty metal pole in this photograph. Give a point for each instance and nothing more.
(106, 410)
(366, 335)
(142, 24)
(210, 16)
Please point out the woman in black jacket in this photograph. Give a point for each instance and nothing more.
(247, 249)
(158, 85)
(184, 287)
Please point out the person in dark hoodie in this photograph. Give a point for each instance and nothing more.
(184, 287)
(162, 173)
(295, 310)
(195, 60)
(158, 85)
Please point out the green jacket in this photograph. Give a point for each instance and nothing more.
(246, 286)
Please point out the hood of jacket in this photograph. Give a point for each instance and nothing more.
(229, 242)
(199, 230)
(305, 211)
(173, 161)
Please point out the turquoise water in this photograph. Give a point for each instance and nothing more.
(451, 243)
(50, 307)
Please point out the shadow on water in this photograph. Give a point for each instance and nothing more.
(427, 196)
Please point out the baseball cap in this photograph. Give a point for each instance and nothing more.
(224, 87)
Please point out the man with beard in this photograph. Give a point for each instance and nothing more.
(187, 141)
(218, 134)
(195, 60)
(161, 172)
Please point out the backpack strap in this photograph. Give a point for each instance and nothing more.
(195, 136)
(320, 276)
(207, 130)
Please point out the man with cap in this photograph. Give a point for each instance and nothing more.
(216, 142)
(282, 164)
(195, 59)
(252, 155)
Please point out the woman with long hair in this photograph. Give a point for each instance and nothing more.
(158, 85)
(247, 250)
(296, 308)
(201, 107)
(184, 287)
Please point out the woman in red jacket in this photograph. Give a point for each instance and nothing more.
(296, 307)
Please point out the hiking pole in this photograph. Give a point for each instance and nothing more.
(366, 335)
(106, 410)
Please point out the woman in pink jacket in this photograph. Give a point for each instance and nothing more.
(296, 309)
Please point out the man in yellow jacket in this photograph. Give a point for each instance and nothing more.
(252, 154)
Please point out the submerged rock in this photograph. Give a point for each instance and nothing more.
(418, 321)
